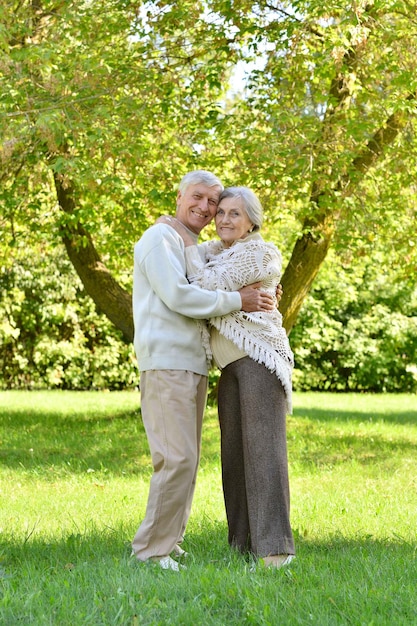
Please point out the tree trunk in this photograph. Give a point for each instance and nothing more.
(109, 297)
(306, 259)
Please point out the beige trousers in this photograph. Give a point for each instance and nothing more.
(173, 404)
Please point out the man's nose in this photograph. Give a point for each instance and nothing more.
(204, 204)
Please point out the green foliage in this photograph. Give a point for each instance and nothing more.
(357, 331)
(120, 99)
(101, 95)
(51, 336)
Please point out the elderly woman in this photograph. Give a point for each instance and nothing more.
(254, 394)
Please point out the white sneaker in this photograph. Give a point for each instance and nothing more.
(166, 562)
(179, 552)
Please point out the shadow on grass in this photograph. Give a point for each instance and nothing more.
(75, 441)
(321, 414)
(208, 546)
(311, 447)
(74, 434)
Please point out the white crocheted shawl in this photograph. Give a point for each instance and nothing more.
(261, 335)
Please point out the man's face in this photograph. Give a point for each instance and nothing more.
(197, 206)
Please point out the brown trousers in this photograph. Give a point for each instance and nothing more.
(252, 414)
(173, 404)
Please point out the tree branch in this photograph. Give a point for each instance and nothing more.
(109, 297)
(383, 137)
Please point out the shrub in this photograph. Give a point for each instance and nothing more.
(357, 333)
(52, 336)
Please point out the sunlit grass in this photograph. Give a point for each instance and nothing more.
(74, 474)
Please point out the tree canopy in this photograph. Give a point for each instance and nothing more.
(105, 105)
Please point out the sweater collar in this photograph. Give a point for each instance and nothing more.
(256, 236)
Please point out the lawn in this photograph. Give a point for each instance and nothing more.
(74, 473)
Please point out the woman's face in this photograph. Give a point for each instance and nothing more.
(232, 221)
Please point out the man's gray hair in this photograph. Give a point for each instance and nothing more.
(199, 177)
(251, 203)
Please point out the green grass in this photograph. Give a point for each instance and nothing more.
(74, 472)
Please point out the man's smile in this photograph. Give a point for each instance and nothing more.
(203, 216)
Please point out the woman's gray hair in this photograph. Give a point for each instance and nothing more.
(199, 177)
(251, 203)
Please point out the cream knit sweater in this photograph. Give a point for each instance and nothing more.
(260, 335)
(166, 306)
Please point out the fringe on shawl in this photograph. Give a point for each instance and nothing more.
(272, 360)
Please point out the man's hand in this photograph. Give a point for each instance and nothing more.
(255, 300)
(178, 226)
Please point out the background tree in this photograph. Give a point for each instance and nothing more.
(96, 110)
(327, 125)
(105, 105)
